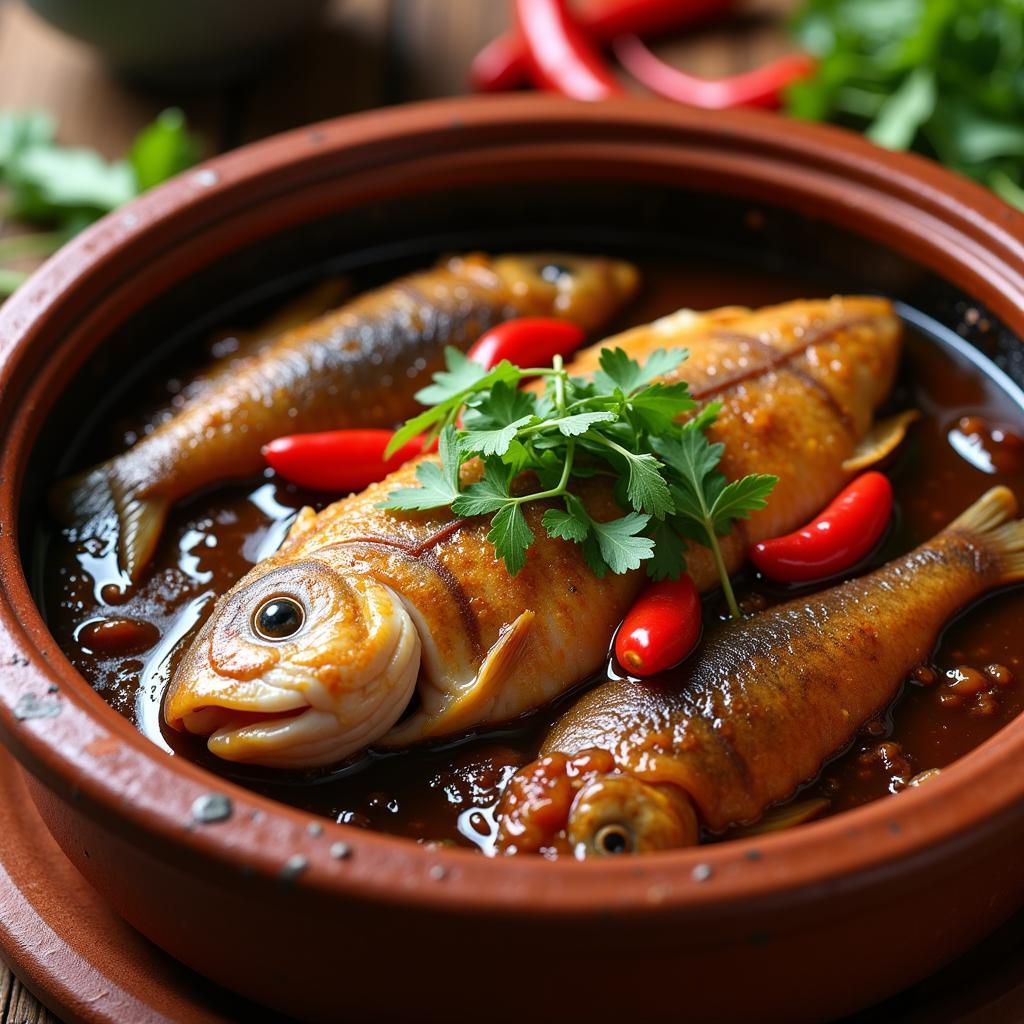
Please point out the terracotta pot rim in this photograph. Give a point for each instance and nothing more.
(87, 750)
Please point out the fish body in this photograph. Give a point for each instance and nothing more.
(494, 646)
(359, 365)
(760, 707)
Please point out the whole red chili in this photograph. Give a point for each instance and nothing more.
(527, 341)
(337, 460)
(561, 56)
(661, 628)
(502, 64)
(761, 87)
(840, 537)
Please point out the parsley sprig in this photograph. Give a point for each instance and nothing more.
(626, 423)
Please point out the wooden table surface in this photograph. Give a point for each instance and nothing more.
(365, 53)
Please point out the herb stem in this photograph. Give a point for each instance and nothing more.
(723, 573)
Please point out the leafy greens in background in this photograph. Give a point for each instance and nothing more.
(63, 189)
(943, 77)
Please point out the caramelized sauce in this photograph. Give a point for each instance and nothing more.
(125, 640)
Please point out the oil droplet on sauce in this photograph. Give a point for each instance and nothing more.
(117, 636)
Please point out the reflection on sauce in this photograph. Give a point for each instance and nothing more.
(986, 446)
(126, 639)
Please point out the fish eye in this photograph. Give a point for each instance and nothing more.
(613, 840)
(278, 619)
(554, 272)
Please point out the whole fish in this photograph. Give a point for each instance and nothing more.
(638, 766)
(359, 365)
(383, 612)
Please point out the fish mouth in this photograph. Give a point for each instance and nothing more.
(290, 734)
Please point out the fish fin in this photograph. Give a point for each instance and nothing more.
(471, 706)
(780, 818)
(82, 497)
(881, 440)
(142, 521)
(990, 520)
(93, 500)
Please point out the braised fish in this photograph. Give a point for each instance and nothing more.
(359, 365)
(320, 649)
(638, 766)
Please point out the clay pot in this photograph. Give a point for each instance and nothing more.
(329, 922)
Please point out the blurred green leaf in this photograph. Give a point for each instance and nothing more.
(67, 189)
(162, 149)
(943, 77)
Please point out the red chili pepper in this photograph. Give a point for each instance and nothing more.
(561, 56)
(337, 460)
(761, 87)
(502, 64)
(527, 341)
(839, 538)
(661, 628)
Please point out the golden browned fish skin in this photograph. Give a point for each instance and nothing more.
(494, 646)
(764, 702)
(359, 365)
(799, 384)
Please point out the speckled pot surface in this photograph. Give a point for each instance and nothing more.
(335, 923)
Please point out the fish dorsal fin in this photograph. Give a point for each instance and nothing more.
(470, 706)
(881, 440)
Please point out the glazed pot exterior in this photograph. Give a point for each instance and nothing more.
(328, 922)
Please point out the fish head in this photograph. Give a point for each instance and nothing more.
(617, 813)
(298, 666)
(585, 289)
(585, 806)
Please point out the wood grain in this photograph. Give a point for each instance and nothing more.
(365, 53)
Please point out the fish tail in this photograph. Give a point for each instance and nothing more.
(89, 502)
(990, 520)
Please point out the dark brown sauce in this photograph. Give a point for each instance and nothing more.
(967, 441)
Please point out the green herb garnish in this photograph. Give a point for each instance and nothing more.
(623, 424)
(942, 77)
(64, 189)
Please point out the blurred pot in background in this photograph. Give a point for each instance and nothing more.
(182, 43)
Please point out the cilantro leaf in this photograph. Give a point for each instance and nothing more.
(493, 442)
(618, 370)
(568, 523)
(659, 406)
(646, 487)
(738, 499)
(502, 405)
(511, 536)
(580, 423)
(619, 543)
(669, 559)
(449, 393)
(492, 422)
(692, 458)
(487, 495)
(459, 378)
(435, 491)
